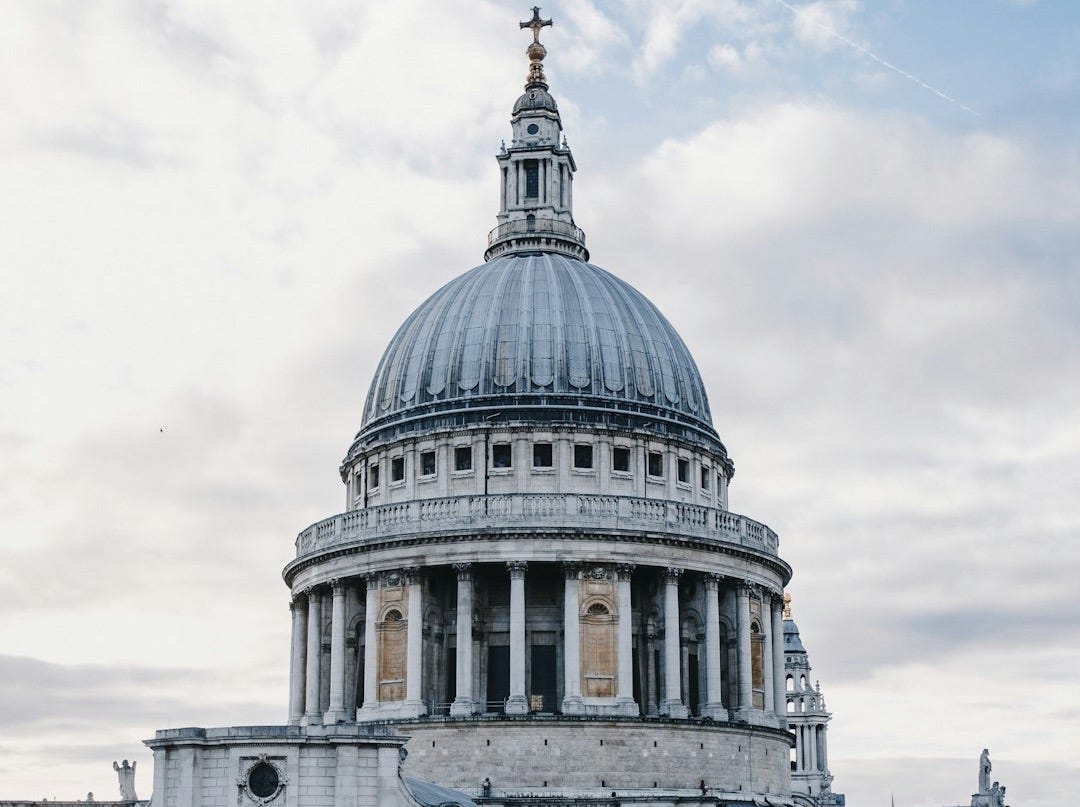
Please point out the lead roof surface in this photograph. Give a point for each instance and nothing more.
(537, 324)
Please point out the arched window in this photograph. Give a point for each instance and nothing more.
(530, 223)
(597, 609)
(393, 616)
(790, 683)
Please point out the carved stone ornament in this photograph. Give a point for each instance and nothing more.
(599, 573)
(464, 570)
(262, 779)
(571, 568)
(392, 578)
(516, 567)
(672, 573)
(336, 585)
(713, 580)
(412, 574)
(625, 570)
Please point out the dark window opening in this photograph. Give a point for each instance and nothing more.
(532, 179)
(583, 456)
(683, 471)
(656, 463)
(427, 463)
(620, 459)
(706, 475)
(501, 456)
(373, 477)
(542, 455)
(463, 458)
(397, 469)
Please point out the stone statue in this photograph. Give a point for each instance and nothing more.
(126, 774)
(984, 773)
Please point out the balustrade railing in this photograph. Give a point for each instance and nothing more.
(537, 510)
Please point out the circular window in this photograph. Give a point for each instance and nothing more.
(263, 780)
(533, 128)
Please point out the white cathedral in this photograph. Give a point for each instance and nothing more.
(537, 593)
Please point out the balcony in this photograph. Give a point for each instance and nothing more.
(536, 235)
(543, 511)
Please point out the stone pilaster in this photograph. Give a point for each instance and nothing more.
(312, 716)
(336, 712)
(742, 629)
(464, 704)
(517, 703)
(714, 699)
(572, 703)
(626, 704)
(414, 648)
(672, 704)
(370, 706)
(779, 689)
(297, 659)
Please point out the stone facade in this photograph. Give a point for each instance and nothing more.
(299, 767)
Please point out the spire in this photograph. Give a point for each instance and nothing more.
(536, 170)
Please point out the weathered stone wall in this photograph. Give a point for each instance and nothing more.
(592, 754)
(319, 767)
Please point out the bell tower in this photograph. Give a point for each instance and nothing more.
(536, 171)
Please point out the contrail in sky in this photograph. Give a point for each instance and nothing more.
(888, 65)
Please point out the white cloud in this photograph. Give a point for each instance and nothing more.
(818, 23)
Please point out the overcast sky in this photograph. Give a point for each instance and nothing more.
(863, 216)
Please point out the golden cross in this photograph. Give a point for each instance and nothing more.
(535, 23)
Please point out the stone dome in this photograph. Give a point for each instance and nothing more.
(539, 336)
(535, 98)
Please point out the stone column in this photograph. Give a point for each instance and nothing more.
(672, 705)
(296, 662)
(572, 703)
(812, 734)
(463, 704)
(824, 748)
(414, 647)
(779, 680)
(370, 707)
(746, 684)
(714, 706)
(336, 712)
(768, 704)
(312, 717)
(517, 703)
(626, 704)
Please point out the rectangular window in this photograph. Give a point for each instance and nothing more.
(542, 456)
(620, 459)
(683, 471)
(501, 457)
(463, 458)
(656, 464)
(532, 179)
(427, 463)
(583, 457)
(706, 475)
(373, 476)
(397, 469)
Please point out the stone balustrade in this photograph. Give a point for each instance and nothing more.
(538, 511)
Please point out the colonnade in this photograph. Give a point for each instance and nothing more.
(811, 746)
(308, 703)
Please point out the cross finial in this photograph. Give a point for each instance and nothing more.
(535, 23)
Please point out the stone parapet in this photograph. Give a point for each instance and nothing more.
(517, 511)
